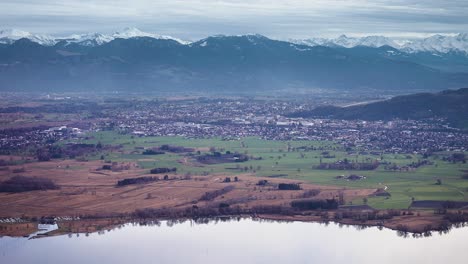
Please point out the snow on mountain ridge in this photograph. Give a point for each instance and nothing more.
(434, 44)
(89, 39)
(129, 32)
(439, 43)
(350, 42)
(8, 36)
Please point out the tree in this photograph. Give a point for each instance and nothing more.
(341, 200)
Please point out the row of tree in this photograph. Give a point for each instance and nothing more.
(139, 180)
(162, 170)
(25, 184)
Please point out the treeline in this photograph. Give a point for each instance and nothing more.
(25, 184)
(328, 204)
(218, 157)
(413, 165)
(175, 149)
(289, 186)
(162, 170)
(67, 151)
(456, 157)
(223, 209)
(209, 196)
(211, 211)
(348, 166)
(152, 152)
(369, 215)
(139, 180)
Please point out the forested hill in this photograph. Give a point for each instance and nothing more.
(450, 104)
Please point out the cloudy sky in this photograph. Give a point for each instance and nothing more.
(193, 19)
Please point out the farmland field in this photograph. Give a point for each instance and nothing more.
(286, 159)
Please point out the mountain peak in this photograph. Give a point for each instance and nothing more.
(93, 39)
(11, 32)
(8, 36)
(131, 32)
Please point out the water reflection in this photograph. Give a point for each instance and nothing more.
(227, 219)
(237, 240)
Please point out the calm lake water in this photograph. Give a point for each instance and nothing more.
(244, 241)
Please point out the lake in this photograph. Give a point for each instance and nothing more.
(243, 241)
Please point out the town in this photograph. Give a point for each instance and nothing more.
(50, 121)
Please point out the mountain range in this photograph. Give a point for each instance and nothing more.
(435, 43)
(132, 60)
(9, 36)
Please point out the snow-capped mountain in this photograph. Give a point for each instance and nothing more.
(216, 40)
(377, 41)
(349, 42)
(136, 33)
(311, 42)
(436, 43)
(89, 39)
(96, 39)
(439, 43)
(9, 36)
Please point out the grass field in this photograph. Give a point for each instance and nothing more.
(277, 161)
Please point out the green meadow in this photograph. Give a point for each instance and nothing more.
(288, 160)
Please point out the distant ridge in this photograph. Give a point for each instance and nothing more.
(434, 44)
(451, 105)
(9, 36)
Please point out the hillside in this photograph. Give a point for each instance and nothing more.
(450, 104)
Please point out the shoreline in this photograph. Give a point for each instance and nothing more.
(415, 224)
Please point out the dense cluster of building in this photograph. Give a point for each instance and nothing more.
(266, 119)
(232, 119)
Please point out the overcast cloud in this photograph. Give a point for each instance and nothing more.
(195, 19)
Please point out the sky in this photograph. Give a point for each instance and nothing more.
(195, 19)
